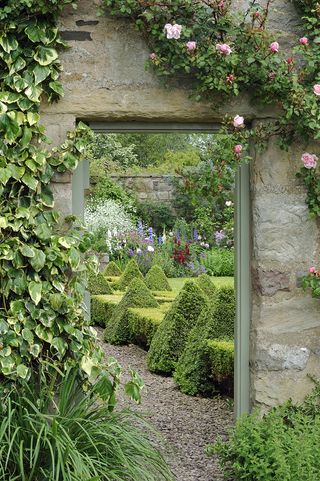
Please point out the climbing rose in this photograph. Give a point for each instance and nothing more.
(312, 270)
(309, 160)
(237, 149)
(274, 47)
(224, 48)
(173, 31)
(153, 56)
(316, 89)
(230, 78)
(191, 45)
(238, 121)
(304, 41)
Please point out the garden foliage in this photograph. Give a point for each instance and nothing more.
(221, 355)
(156, 279)
(102, 308)
(137, 295)
(194, 372)
(219, 262)
(98, 284)
(131, 271)
(144, 323)
(205, 283)
(171, 336)
(112, 270)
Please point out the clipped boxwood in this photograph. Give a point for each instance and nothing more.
(194, 371)
(102, 308)
(137, 295)
(204, 281)
(221, 354)
(131, 271)
(112, 270)
(144, 323)
(98, 284)
(171, 336)
(164, 296)
(156, 279)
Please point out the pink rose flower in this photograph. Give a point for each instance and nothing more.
(224, 48)
(312, 270)
(173, 31)
(274, 47)
(238, 122)
(237, 149)
(304, 41)
(316, 89)
(153, 56)
(191, 45)
(309, 160)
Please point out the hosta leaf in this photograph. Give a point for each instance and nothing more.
(35, 291)
(45, 56)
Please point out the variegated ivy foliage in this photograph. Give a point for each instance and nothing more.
(42, 260)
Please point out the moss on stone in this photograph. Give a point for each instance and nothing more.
(131, 271)
(137, 295)
(156, 279)
(98, 284)
(102, 307)
(194, 371)
(204, 281)
(112, 270)
(169, 340)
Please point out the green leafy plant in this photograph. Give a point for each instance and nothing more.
(98, 284)
(131, 271)
(219, 262)
(171, 336)
(112, 270)
(156, 279)
(205, 283)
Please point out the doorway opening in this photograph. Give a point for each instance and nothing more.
(241, 199)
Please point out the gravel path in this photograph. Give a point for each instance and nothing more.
(187, 423)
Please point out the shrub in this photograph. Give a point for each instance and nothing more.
(156, 280)
(165, 296)
(144, 323)
(204, 281)
(98, 284)
(158, 214)
(112, 270)
(221, 354)
(283, 445)
(102, 308)
(137, 295)
(219, 262)
(74, 437)
(169, 340)
(131, 271)
(107, 215)
(194, 370)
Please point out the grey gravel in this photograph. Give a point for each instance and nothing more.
(186, 423)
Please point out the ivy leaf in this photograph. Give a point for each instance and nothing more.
(60, 345)
(43, 232)
(57, 87)
(33, 93)
(35, 350)
(45, 56)
(40, 73)
(19, 64)
(27, 335)
(38, 260)
(43, 333)
(46, 196)
(30, 181)
(22, 371)
(33, 117)
(35, 291)
(8, 43)
(16, 171)
(10, 128)
(74, 258)
(27, 251)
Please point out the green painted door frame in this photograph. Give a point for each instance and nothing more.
(242, 240)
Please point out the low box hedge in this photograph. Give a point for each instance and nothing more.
(98, 284)
(102, 308)
(221, 355)
(144, 322)
(164, 296)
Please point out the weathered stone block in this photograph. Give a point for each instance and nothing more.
(269, 282)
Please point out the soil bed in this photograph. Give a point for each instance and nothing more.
(187, 423)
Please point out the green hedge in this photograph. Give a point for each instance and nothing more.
(204, 281)
(283, 445)
(144, 323)
(137, 295)
(102, 308)
(131, 271)
(112, 270)
(221, 354)
(194, 372)
(98, 284)
(164, 296)
(156, 279)
(169, 340)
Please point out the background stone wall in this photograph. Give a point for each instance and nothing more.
(105, 79)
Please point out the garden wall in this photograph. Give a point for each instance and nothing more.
(105, 79)
(148, 187)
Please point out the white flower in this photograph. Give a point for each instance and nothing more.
(109, 216)
(150, 249)
(139, 251)
(173, 31)
(229, 203)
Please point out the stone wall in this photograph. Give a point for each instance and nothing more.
(105, 79)
(148, 187)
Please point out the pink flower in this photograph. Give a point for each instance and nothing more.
(304, 41)
(221, 4)
(230, 78)
(316, 89)
(173, 31)
(153, 56)
(238, 122)
(237, 149)
(274, 47)
(191, 45)
(309, 160)
(312, 270)
(224, 48)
